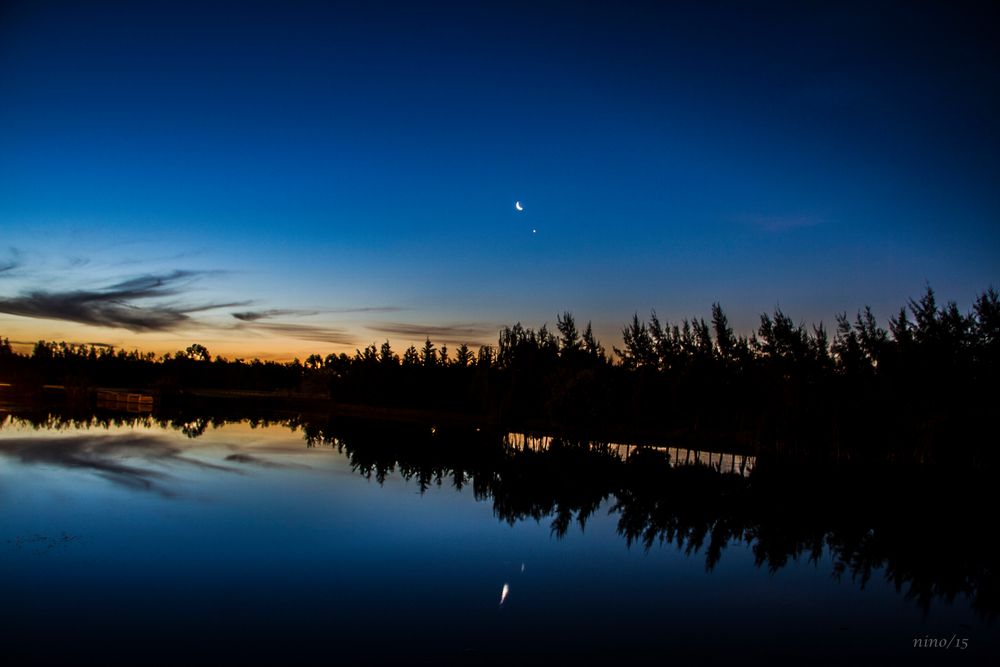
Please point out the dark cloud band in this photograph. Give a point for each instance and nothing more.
(472, 333)
(123, 305)
(255, 315)
(306, 332)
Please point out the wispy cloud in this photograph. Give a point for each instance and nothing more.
(255, 315)
(309, 332)
(367, 309)
(157, 303)
(124, 305)
(10, 262)
(472, 332)
(75, 343)
(260, 321)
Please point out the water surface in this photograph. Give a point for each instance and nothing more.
(138, 543)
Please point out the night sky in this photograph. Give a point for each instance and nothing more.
(277, 179)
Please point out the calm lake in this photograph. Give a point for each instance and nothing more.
(136, 541)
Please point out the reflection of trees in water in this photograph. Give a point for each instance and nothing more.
(921, 527)
(193, 425)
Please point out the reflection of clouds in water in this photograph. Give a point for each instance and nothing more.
(250, 459)
(104, 455)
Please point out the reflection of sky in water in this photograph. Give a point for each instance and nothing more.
(139, 542)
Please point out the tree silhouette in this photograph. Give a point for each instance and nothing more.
(428, 354)
(569, 341)
(411, 357)
(197, 352)
(386, 356)
(725, 341)
(463, 356)
(921, 389)
(593, 347)
(638, 351)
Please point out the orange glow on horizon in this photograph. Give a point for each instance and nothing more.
(23, 333)
(265, 348)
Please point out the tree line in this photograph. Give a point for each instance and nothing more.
(924, 388)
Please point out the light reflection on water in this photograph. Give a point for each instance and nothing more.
(244, 544)
(741, 464)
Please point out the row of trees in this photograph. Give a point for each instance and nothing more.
(80, 365)
(929, 378)
(937, 334)
(934, 335)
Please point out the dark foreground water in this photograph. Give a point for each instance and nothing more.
(138, 543)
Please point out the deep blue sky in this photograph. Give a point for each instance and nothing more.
(355, 166)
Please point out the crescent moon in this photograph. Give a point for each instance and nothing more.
(517, 206)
